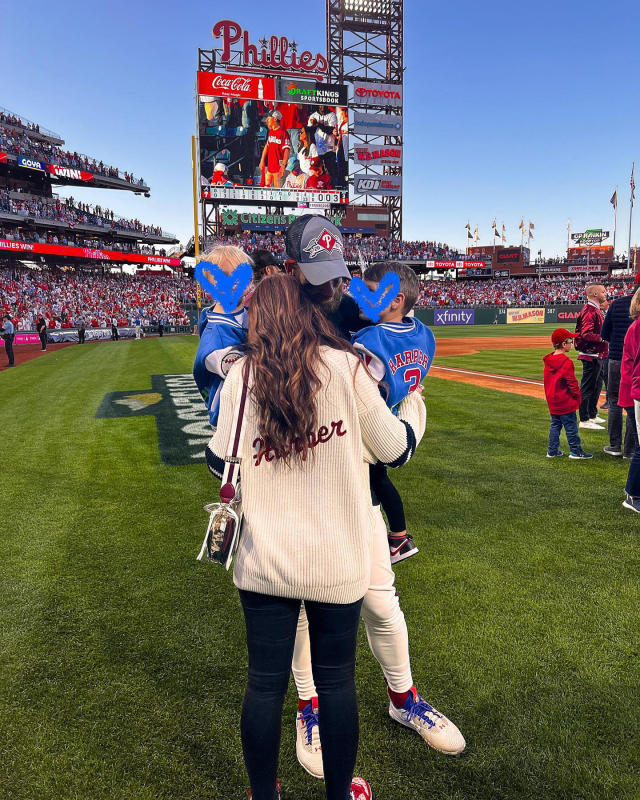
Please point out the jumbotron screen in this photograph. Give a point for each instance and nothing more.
(272, 139)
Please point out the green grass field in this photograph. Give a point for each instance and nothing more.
(462, 331)
(122, 660)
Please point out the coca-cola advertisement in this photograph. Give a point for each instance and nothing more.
(284, 136)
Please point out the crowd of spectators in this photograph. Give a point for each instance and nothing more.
(19, 143)
(370, 248)
(63, 297)
(513, 291)
(72, 212)
(6, 118)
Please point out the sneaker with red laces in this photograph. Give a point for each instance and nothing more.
(401, 547)
(276, 796)
(360, 790)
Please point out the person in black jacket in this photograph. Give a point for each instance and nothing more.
(614, 328)
(41, 327)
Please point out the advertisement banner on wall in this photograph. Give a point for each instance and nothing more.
(242, 87)
(565, 315)
(377, 124)
(387, 155)
(520, 316)
(70, 172)
(386, 185)
(30, 163)
(377, 94)
(454, 316)
(292, 90)
(11, 245)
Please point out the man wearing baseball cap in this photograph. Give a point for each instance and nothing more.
(276, 151)
(563, 396)
(316, 249)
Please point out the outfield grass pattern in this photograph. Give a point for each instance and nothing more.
(123, 660)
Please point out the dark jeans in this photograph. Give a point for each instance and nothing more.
(388, 496)
(8, 347)
(81, 332)
(590, 389)
(615, 413)
(633, 479)
(271, 631)
(570, 425)
(43, 340)
(605, 375)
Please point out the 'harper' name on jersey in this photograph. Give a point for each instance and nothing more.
(399, 354)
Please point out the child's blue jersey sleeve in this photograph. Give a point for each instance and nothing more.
(399, 354)
(221, 345)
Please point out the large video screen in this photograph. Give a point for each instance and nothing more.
(272, 139)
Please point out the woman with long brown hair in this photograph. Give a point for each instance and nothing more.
(315, 420)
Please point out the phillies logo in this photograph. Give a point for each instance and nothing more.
(324, 241)
(275, 53)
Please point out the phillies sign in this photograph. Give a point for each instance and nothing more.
(275, 54)
(70, 173)
(85, 252)
(244, 87)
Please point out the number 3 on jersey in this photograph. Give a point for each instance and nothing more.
(412, 377)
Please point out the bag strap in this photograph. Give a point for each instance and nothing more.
(231, 474)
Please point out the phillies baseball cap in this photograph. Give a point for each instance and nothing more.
(560, 335)
(316, 245)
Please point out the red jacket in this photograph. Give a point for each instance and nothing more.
(630, 368)
(589, 343)
(560, 385)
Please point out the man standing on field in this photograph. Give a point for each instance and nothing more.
(592, 349)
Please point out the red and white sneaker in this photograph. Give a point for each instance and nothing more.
(360, 790)
(308, 747)
(401, 547)
(437, 731)
(276, 796)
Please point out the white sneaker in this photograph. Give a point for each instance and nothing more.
(591, 425)
(437, 731)
(597, 420)
(308, 748)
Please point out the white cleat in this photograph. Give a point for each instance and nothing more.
(437, 731)
(308, 748)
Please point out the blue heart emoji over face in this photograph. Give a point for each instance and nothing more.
(372, 304)
(227, 290)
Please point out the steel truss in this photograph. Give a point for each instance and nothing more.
(365, 43)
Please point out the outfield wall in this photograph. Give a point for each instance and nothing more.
(502, 315)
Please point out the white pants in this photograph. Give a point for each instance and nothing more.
(383, 619)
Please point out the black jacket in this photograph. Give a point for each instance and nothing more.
(616, 324)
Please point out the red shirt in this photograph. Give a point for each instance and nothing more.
(560, 385)
(630, 368)
(277, 141)
(320, 182)
(290, 115)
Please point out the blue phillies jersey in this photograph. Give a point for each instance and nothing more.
(221, 342)
(397, 353)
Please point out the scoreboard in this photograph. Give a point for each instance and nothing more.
(481, 271)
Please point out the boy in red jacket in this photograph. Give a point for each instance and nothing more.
(563, 396)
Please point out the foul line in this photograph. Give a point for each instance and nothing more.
(488, 375)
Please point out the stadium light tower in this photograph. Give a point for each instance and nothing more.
(365, 43)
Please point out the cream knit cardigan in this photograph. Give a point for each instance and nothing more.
(307, 530)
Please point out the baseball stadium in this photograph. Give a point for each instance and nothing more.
(444, 604)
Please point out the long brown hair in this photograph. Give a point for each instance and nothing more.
(634, 310)
(286, 330)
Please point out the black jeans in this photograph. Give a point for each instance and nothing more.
(8, 347)
(271, 631)
(615, 413)
(590, 389)
(633, 479)
(388, 496)
(43, 339)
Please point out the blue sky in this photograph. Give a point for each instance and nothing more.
(511, 110)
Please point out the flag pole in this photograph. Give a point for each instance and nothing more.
(633, 186)
(615, 219)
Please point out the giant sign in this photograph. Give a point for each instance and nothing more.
(8, 245)
(274, 54)
(377, 94)
(387, 155)
(385, 185)
(377, 124)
